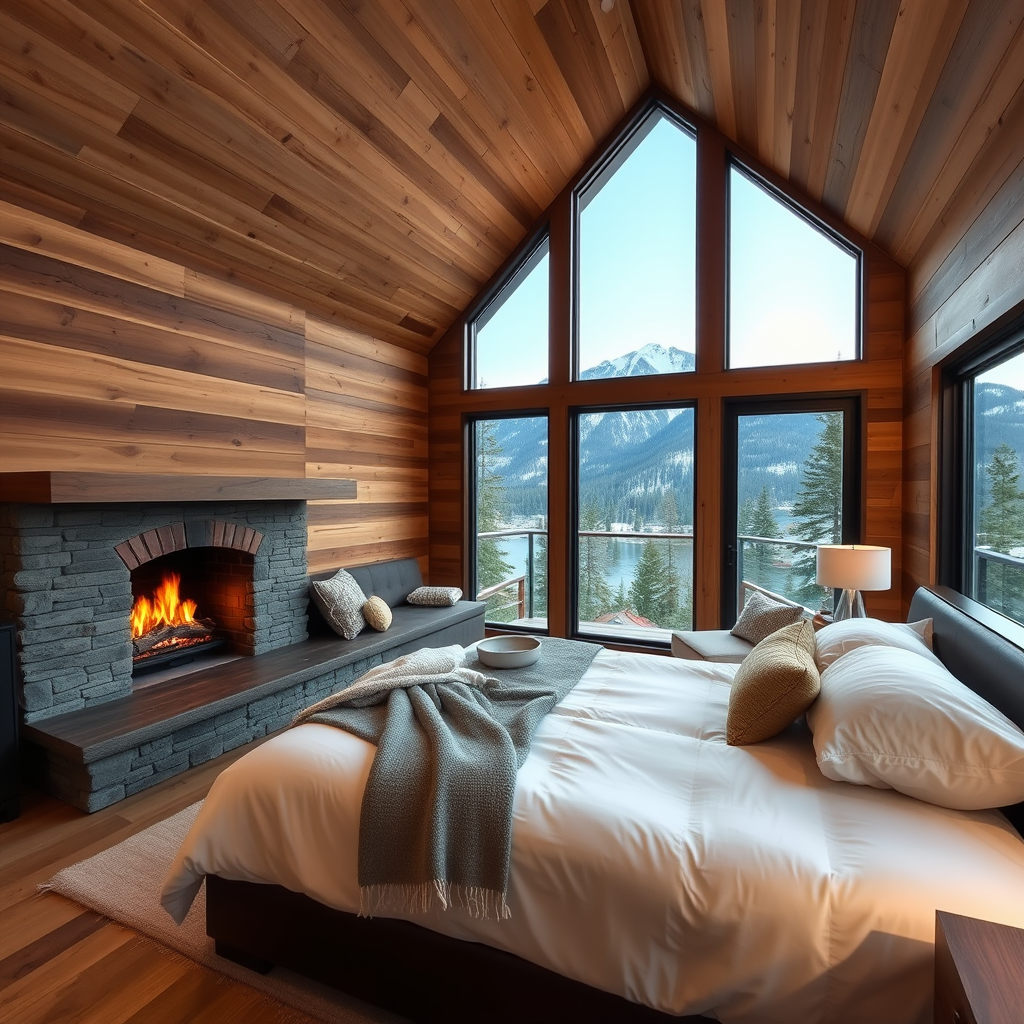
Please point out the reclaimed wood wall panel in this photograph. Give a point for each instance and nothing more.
(967, 279)
(877, 378)
(366, 417)
(192, 375)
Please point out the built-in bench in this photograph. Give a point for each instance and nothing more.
(97, 756)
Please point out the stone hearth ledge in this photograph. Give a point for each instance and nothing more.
(94, 757)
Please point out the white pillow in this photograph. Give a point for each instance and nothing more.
(839, 638)
(892, 719)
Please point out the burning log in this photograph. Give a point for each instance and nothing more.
(195, 631)
(166, 621)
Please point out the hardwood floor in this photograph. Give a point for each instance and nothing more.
(61, 962)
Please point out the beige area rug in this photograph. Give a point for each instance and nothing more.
(124, 882)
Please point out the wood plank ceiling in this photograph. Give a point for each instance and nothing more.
(375, 161)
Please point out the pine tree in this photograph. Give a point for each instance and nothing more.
(670, 511)
(818, 509)
(540, 575)
(595, 596)
(491, 567)
(745, 517)
(1001, 528)
(1001, 522)
(758, 557)
(609, 515)
(654, 593)
(670, 517)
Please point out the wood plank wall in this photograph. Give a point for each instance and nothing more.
(113, 360)
(967, 281)
(878, 378)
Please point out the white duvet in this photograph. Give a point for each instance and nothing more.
(652, 860)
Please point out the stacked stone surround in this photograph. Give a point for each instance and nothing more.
(69, 588)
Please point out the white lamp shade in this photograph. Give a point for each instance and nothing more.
(854, 566)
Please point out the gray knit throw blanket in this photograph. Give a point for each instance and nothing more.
(435, 827)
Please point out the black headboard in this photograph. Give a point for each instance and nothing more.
(980, 658)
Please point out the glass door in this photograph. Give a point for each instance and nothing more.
(792, 482)
(510, 512)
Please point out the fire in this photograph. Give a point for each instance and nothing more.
(165, 609)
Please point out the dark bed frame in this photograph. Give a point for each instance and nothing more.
(428, 977)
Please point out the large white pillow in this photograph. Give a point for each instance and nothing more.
(833, 641)
(892, 719)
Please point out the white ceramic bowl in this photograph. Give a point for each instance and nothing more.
(508, 651)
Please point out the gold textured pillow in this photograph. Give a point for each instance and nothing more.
(377, 613)
(776, 683)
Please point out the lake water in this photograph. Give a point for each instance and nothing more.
(624, 555)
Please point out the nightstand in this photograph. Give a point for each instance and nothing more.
(979, 971)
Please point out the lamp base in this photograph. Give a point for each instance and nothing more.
(849, 606)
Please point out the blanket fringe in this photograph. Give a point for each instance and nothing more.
(476, 900)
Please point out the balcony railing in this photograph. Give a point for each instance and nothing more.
(999, 582)
(523, 601)
(519, 590)
(519, 594)
(748, 543)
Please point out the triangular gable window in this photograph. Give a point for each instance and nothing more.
(793, 287)
(637, 222)
(509, 337)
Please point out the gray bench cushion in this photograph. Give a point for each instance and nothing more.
(717, 645)
(392, 582)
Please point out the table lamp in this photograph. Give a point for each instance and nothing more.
(852, 568)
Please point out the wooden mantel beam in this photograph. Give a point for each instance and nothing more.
(59, 488)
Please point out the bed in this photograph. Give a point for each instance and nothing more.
(656, 871)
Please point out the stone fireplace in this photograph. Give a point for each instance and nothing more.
(77, 550)
(68, 574)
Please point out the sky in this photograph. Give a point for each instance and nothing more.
(1010, 373)
(793, 289)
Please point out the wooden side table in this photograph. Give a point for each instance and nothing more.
(979, 971)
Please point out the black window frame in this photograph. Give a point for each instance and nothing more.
(851, 404)
(573, 509)
(469, 421)
(518, 267)
(733, 162)
(589, 187)
(956, 477)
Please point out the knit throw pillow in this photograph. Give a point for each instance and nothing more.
(340, 600)
(776, 682)
(377, 613)
(761, 616)
(435, 597)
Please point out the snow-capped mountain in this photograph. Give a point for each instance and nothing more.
(651, 359)
(629, 459)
